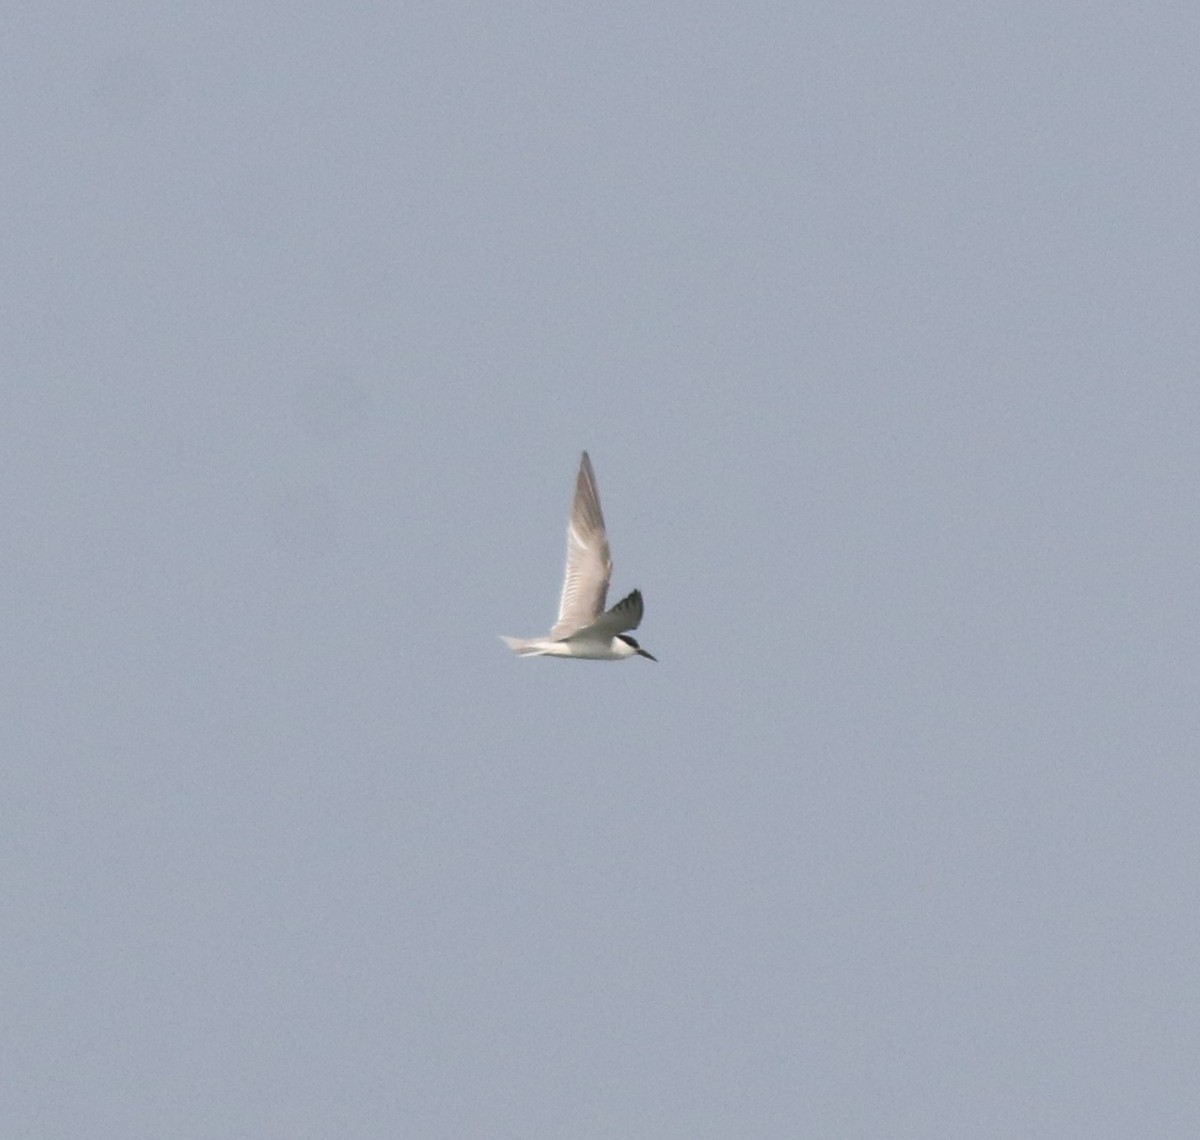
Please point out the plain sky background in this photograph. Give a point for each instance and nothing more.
(881, 324)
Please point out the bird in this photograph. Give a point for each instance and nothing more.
(584, 629)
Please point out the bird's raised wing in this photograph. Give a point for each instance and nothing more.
(626, 614)
(589, 565)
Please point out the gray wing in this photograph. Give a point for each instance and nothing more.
(626, 614)
(589, 565)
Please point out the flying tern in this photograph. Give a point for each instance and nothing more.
(584, 628)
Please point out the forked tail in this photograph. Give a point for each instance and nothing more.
(525, 647)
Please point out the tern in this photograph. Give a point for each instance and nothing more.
(584, 628)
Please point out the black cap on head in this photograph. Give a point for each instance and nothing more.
(632, 643)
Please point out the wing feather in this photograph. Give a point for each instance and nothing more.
(626, 614)
(589, 564)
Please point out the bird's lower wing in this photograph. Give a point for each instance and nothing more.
(626, 614)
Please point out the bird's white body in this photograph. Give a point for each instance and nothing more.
(584, 629)
(584, 648)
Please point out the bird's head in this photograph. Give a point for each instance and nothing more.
(626, 646)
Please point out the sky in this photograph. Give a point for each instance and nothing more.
(880, 325)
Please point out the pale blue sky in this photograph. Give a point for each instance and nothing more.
(880, 325)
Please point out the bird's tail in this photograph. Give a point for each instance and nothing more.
(525, 647)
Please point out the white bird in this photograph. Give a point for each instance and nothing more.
(583, 628)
